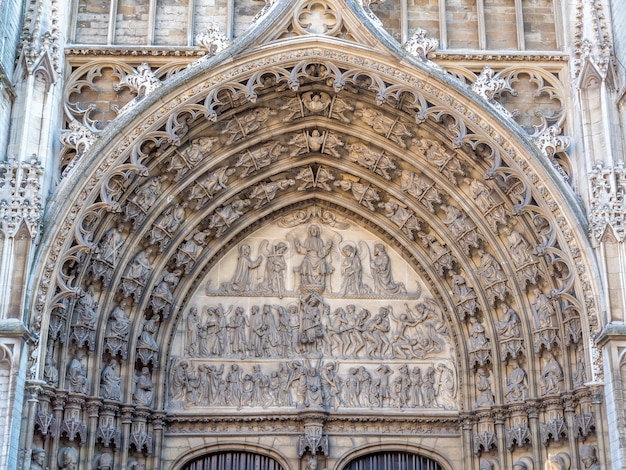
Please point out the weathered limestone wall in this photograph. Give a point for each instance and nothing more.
(464, 24)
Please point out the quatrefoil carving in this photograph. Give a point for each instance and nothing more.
(318, 17)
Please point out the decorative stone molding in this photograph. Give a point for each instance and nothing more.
(142, 82)
(20, 196)
(421, 47)
(213, 41)
(607, 186)
(489, 87)
(79, 139)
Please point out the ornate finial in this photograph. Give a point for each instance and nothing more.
(550, 142)
(214, 40)
(143, 82)
(419, 46)
(488, 86)
(78, 137)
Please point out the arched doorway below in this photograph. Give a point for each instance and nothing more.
(392, 461)
(234, 461)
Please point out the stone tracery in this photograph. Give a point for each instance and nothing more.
(466, 251)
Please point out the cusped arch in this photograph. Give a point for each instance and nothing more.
(432, 458)
(417, 116)
(276, 460)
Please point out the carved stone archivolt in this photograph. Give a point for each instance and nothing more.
(315, 232)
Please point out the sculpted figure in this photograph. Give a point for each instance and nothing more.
(110, 382)
(253, 160)
(446, 389)
(233, 395)
(339, 110)
(463, 295)
(510, 325)
(364, 194)
(377, 334)
(551, 376)
(50, 372)
(38, 459)
(266, 192)
(263, 331)
(421, 189)
(416, 399)
(317, 179)
(589, 458)
(312, 308)
(275, 267)
(483, 385)
(107, 254)
(395, 131)
(439, 255)
(379, 163)
(244, 124)
(205, 188)
(404, 218)
(68, 458)
(76, 377)
(167, 223)
(380, 265)
(352, 272)
(241, 280)
(456, 221)
(481, 195)
(237, 326)
(144, 388)
(382, 385)
(516, 385)
(428, 387)
(85, 309)
(189, 251)
(192, 326)
(146, 195)
(314, 397)
(118, 324)
(436, 155)
(225, 216)
(353, 388)
(314, 267)
(140, 266)
(331, 142)
(332, 386)
(190, 156)
(477, 336)
(316, 102)
(293, 109)
(543, 310)
(146, 338)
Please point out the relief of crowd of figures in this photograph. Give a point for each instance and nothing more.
(312, 326)
(307, 384)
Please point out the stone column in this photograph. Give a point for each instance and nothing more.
(158, 425)
(126, 419)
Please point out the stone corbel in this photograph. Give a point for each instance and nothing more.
(313, 440)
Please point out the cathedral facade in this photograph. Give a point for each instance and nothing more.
(312, 234)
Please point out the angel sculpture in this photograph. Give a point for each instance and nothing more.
(352, 271)
(275, 266)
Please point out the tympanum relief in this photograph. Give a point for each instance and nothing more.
(312, 315)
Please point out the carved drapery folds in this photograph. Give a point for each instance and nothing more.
(315, 234)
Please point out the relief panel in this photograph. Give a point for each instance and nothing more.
(312, 313)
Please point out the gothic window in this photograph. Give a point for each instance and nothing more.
(393, 461)
(235, 461)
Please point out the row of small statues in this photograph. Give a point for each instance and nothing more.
(316, 267)
(311, 326)
(306, 386)
(559, 461)
(68, 460)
